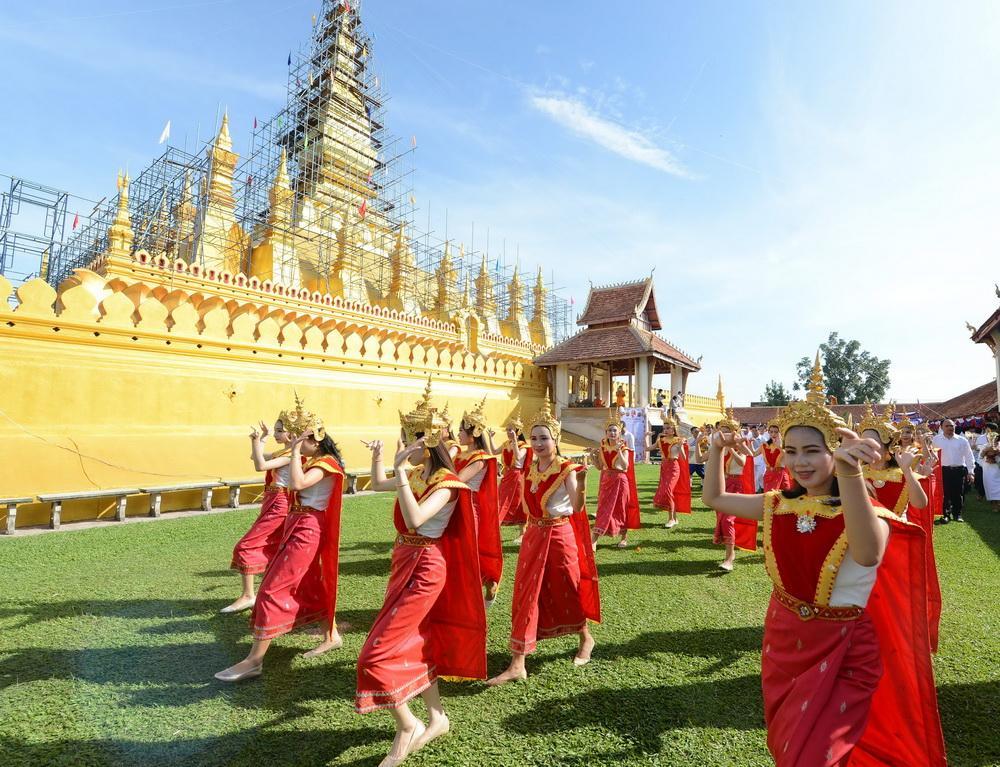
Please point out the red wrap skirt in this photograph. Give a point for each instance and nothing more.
(670, 472)
(777, 479)
(258, 546)
(510, 494)
(612, 502)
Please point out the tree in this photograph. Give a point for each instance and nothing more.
(852, 375)
(776, 394)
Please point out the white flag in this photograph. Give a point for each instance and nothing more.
(166, 132)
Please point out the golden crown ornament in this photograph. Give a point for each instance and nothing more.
(299, 421)
(545, 418)
(884, 427)
(813, 412)
(476, 419)
(423, 420)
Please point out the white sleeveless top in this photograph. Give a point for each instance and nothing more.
(317, 496)
(519, 462)
(281, 475)
(436, 525)
(476, 481)
(559, 504)
(853, 584)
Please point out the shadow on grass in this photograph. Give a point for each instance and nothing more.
(256, 746)
(969, 715)
(984, 521)
(672, 567)
(726, 646)
(642, 715)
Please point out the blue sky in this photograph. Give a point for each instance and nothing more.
(787, 168)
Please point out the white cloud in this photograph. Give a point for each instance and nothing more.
(573, 114)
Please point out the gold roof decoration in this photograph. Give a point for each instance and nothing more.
(515, 422)
(300, 421)
(476, 419)
(886, 430)
(423, 419)
(545, 418)
(813, 412)
(730, 422)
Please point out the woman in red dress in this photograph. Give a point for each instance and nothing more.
(256, 548)
(846, 646)
(555, 587)
(675, 476)
(617, 506)
(516, 457)
(775, 475)
(895, 482)
(300, 585)
(476, 466)
(432, 623)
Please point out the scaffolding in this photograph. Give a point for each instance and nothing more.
(350, 193)
(32, 220)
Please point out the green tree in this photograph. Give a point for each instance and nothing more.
(776, 394)
(852, 375)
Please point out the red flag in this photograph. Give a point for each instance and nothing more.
(347, 6)
(571, 301)
(249, 180)
(76, 221)
(363, 208)
(255, 123)
(369, 177)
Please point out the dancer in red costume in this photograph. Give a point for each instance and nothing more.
(673, 493)
(300, 585)
(932, 459)
(516, 457)
(256, 548)
(731, 531)
(617, 504)
(775, 475)
(476, 466)
(432, 623)
(555, 587)
(846, 645)
(896, 484)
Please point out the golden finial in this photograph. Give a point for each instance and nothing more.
(613, 420)
(515, 422)
(423, 419)
(223, 140)
(476, 419)
(719, 394)
(545, 418)
(300, 421)
(816, 390)
(281, 177)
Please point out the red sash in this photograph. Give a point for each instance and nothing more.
(535, 503)
(771, 455)
(330, 553)
(632, 521)
(746, 529)
(487, 504)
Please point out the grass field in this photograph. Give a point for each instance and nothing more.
(109, 638)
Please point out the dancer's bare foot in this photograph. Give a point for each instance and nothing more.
(512, 674)
(435, 729)
(241, 604)
(490, 594)
(333, 643)
(727, 566)
(582, 657)
(622, 544)
(402, 745)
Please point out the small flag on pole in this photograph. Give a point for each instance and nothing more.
(166, 132)
(413, 141)
(289, 58)
(76, 221)
(249, 180)
(413, 200)
(376, 81)
(363, 208)
(314, 19)
(347, 6)
(370, 174)
(255, 123)
(571, 301)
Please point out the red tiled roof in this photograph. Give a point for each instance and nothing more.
(611, 343)
(982, 399)
(620, 303)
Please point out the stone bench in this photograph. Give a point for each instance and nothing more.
(156, 494)
(351, 477)
(11, 504)
(56, 499)
(235, 485)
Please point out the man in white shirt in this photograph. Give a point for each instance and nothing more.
(757, 438)
(957, 468)
(978, 443)
(695, 468)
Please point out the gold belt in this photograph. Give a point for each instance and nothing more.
(298, 509)
(421, 541)
(807, 610)
(547, 521)
(274, 489)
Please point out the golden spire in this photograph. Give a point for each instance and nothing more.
(816, 390)
(720, 395)
(540, 295)
(281, 195)
(120, 235)
(223, 140)
(515, 296)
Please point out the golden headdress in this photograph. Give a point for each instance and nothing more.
(730, 422)
(545, 418)
(812, 411)
(884, 427)
(613, 420)
(423, 419)
(674, 421)
(476, 419)
(299, 421)
(906, 423)
(515, 422)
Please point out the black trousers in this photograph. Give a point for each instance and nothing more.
(980, 487)
(697, 468)
(954, 490)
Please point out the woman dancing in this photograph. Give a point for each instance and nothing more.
(846, 645)
(300, 585)
(555, 587)
(673, 494)
(516, 456)
(775, 475)
(617, 505)
(432, 622)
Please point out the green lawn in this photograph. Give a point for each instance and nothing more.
(109, 638)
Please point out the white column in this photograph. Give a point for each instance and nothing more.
(676, 379)
(561, 388)
(644, 381)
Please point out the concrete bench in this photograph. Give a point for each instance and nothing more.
(11, 504)
(56, 499)
(351, 477)
(235, 485)
(156, 494)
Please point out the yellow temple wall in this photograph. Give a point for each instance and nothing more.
(107, 388)
(701, 410)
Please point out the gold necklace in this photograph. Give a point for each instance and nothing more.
(536, 476)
